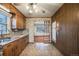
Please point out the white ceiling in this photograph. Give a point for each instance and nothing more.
(49, 8)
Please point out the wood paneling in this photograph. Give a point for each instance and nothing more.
(68, 34)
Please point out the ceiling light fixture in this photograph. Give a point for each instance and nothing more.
(27, 7)
(43, 11)
(30, 11)
(36, 10)
(33, 7)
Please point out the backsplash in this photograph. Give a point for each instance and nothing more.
(18, 33)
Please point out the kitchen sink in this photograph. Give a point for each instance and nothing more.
(4, 40)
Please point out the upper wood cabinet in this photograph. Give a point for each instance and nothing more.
(19, 17)
(20, 21)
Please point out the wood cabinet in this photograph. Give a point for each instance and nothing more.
(20, 21)
(19, 17)
(16, 47)
(43, 38)
(8, 49)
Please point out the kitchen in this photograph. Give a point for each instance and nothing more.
(20, 30)
(39, 29)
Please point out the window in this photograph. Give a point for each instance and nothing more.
(3, 24)
(40, 28)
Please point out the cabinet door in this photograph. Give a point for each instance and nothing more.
(22, 19)
(17, 48)
(23, 22)
(19, 21)
(8, 50)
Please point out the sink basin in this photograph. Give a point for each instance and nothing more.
(5, 40)
(15, 37)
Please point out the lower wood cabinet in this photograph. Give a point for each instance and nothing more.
(43, 38)
(8, 49)
(16, 47)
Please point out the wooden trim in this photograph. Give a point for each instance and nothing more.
(67, 37)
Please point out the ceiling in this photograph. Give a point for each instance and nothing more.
(49, 8)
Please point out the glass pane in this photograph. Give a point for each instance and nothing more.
(3, 24)
(3, 19)
(40, 28)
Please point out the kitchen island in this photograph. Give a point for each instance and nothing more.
(15, 45)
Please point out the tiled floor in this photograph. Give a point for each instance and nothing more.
(40, 49)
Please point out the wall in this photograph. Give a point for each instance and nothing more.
(30, 26)
(68, 30)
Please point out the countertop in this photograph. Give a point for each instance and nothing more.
(12, 39)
